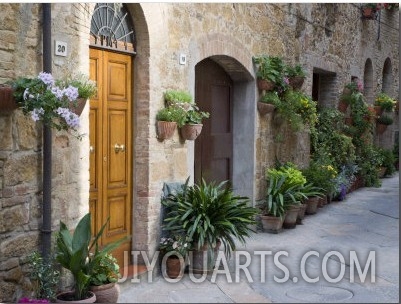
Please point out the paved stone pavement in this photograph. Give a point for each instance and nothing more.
(319, 250)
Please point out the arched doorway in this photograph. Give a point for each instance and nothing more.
(387, 86)
(111, 125)
(214, 146)
(368, 81)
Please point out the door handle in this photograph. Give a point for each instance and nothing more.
(91, 149)
(119, 148)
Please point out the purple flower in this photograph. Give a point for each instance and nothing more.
(47, 78)
(57, 92)
(71, 93)
(36, 113)
(286, 81)
(70, 118)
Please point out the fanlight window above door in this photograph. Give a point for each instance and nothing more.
(111, 28)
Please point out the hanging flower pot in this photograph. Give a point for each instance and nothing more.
(191, 131)
(265, 108)
(349, 121)
(296, 82)
(78, 106)
(381, 128)
(378, 110)
(368, 13)
(342, 106)
(165, 129)
(265, 85)
(7, 101)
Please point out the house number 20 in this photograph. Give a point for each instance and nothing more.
(60, 48)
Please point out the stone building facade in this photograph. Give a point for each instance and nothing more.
(331, 41)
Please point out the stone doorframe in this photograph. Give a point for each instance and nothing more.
(236, 60)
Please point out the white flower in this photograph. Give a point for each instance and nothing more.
(175, 245)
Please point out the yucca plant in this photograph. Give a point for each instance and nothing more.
(208, 213)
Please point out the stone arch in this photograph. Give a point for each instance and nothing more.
(236, 60)
(368, 81)
(387, 77)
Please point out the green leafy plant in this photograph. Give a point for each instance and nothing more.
(45, 275)
(271, 68)
(388, 160)
(176, 243)
(295, 71)
(73, 253)
(177, 96)
(50, 101)
(172, 114)
(271, 97)
(207, 213)
(384, 120)
(385, 102)
(194, 116)
(104, 270)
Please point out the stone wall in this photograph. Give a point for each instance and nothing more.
(330, 40)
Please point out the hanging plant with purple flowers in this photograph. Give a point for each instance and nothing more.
(50, 101)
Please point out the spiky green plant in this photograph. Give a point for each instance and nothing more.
(209, 212)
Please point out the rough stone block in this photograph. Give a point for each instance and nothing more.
(19, 245)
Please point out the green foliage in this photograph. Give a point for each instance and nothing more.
(321, 174)
(104, 270)
(271, 97)
(368, 160)
(209, 212)
(86, 87)
(177, 243)
(194, 116)
(270, 68)
(177, 96)
(293, 71)
(173, 114)
(45, 276)
(388, 160)
(386, 102)
(73, 253)
(385, 120)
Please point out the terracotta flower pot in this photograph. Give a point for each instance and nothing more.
(381, 128)
(265, 108)
(301, 213)
(342, 106)
(368, 13)
(296, 82)
(311, 205)
(78, 106)
(173, 267)
(7, 101)
(290, 220)
(378, 110)
(107, 293)
(165, 129)
(191, 131)
(265, 85)
(68, 297)
(272, 224)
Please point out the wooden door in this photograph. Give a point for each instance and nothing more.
(214, 146)
(110, 136)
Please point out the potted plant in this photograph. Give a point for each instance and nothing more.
(270, 72)
(369, 10)
(104, 273)
(7, 101)
(267, 102)
(296, 76)
(45, 277)
(174, 250)
(191, 127)
(178, 98)
(385, 102)
(52, 101)
(167, 120)
(209, 214)
(382, 122)
(73, 252)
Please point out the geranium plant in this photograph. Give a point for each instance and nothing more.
(52, 101)
(177, 243)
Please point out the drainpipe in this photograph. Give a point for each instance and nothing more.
(47, 140)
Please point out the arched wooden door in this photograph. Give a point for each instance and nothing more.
(111, 147)
(214, 146)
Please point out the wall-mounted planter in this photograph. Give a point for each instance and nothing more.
(79, 106)
(368, 13)
(165, 129)
(380, 128)
(7, 101)
(342, 106)
(265, 108)
(296, 82)
(191, 131)
(265, 85)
